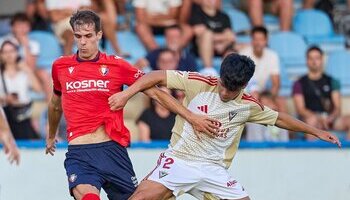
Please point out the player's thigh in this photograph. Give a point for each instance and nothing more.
(82, 189)
(149, 190)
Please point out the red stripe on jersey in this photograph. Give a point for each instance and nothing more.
(251, 98)
(207, 79)
(203, 80)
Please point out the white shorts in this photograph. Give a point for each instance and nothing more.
(201, 180)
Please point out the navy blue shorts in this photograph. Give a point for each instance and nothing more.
(104, 165)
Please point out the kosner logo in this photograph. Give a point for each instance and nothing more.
(87, 85)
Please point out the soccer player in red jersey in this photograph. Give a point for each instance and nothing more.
(83, 82)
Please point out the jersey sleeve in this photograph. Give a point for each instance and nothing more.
(177, 79)
(56, 83)
(129, 73)
(262, 115)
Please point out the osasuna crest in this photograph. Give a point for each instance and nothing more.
(104, 70)
(231, 115)
(72, 178)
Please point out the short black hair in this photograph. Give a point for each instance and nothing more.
(236, 71)
(259, 29)
(19, 17)
(314, 48)
(85, 17)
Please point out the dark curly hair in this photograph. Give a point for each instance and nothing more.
(236, 71)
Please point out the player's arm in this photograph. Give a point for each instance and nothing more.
(8, 141)
(146, 83)
(54, 115)
(200, 123)
(285, 121)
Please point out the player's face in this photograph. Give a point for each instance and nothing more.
(314, 61)
(87, 40)
(227, 95)
(259, 42)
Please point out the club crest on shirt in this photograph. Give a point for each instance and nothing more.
(104, 70)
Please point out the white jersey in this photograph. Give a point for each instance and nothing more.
(202, 97)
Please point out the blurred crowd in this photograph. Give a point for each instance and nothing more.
(188, 35)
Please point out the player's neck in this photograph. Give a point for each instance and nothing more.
(93, 57)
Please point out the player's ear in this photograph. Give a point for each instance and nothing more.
(99, 35)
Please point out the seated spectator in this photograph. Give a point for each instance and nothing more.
(15, 84)
(267, 70)
(38, 15)
(60, 12)
(167, 60)
(156, 122)
(28, 49)
(213, 33)
(173, 38)
(152, 17)
(258, 133)
(256, 8)
(107, 11)
(316, 97)
(184, 16)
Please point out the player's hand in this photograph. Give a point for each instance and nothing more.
(12, 152)
(50, 146)
(117, 101)
(204, 124)
(328, 137)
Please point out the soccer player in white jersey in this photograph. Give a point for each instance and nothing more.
(199, 167)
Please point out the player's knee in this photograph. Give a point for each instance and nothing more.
(90, 196)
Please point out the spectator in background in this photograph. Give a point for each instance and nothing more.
(186, 61)
(184, 16)
(20, 28)
(213, 33)
(7, 140)
(316, 96)
(267, 70)
(256, 9)
(16, 80)
(38, 15)
(108, 13)
(156, 122)
(152, 17)
(258, 133)
(60, 12)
